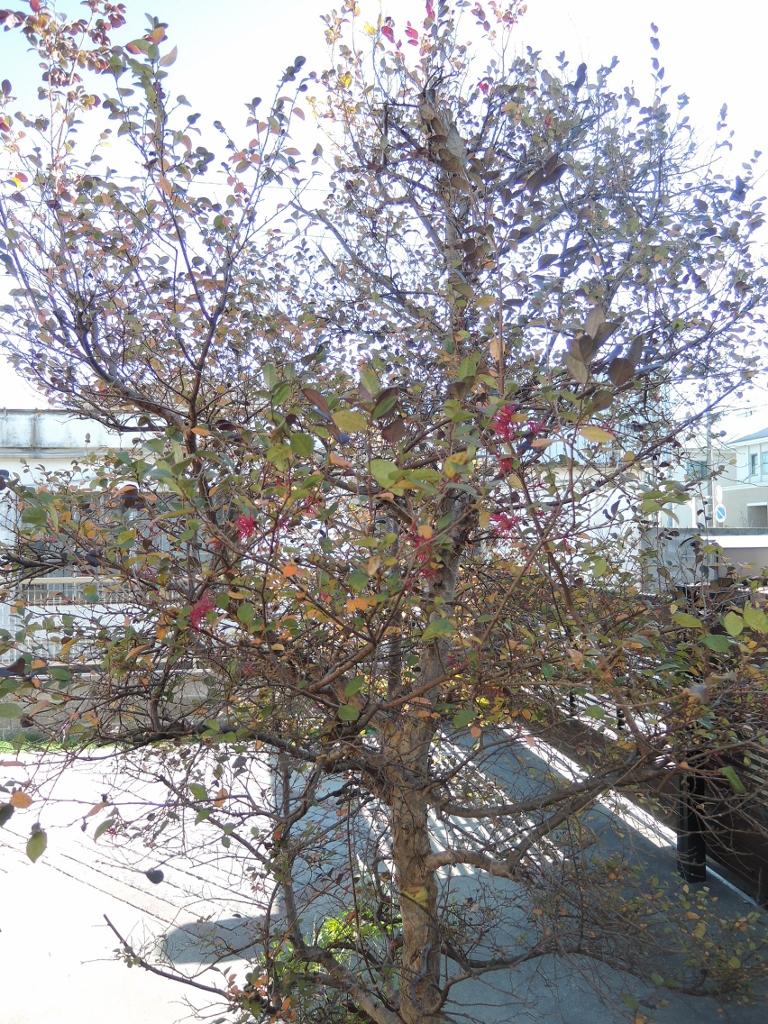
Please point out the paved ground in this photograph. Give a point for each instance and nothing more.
(57, 954)
(586, 992)
(56, 951)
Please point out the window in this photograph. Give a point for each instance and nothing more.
(753, 464)
(764, 462)
(757, 516)
(697, 469)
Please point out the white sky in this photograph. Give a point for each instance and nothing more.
(237, 49)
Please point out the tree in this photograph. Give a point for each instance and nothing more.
(375, 531)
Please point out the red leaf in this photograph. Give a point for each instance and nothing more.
(504, 523)
(35, 5)
(394, 431)
(389, 32)
(200, 609)
(245, 526)
(318, 401)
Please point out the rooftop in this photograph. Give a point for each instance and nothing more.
(757, 436)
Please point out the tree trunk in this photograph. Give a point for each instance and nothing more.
(407, 750)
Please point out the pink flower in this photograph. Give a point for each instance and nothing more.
(430, 10)
(245, 526)
(200, 609)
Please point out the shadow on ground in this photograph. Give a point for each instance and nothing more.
(214, 942)
(549, 990)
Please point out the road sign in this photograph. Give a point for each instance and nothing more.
(719, 513)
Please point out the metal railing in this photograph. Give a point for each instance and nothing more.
(55, 591)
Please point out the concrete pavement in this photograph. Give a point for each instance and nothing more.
(56, 950)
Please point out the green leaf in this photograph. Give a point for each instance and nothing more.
(349, 421)
(755, 619)
(689, 621)
(354, 686)
(648, 505)
(385, 402)
(384, 472)
(198, 792)
(246, 614)
(348, 713)
(280, 393)
(599, 567)
(464, 718)
(370, 381)
(438, 627)
(36, 844)
(733, 623)
(279, 455)
(34, 516)
(144, 45)
(357, 581)
(9, 710)
(103, 827)
(468, 366)
(736, 784)
(302, 445)
(594, 711)
(717, 643)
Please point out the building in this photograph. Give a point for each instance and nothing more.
(726, 479)
(31, 441)
(745, 488)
